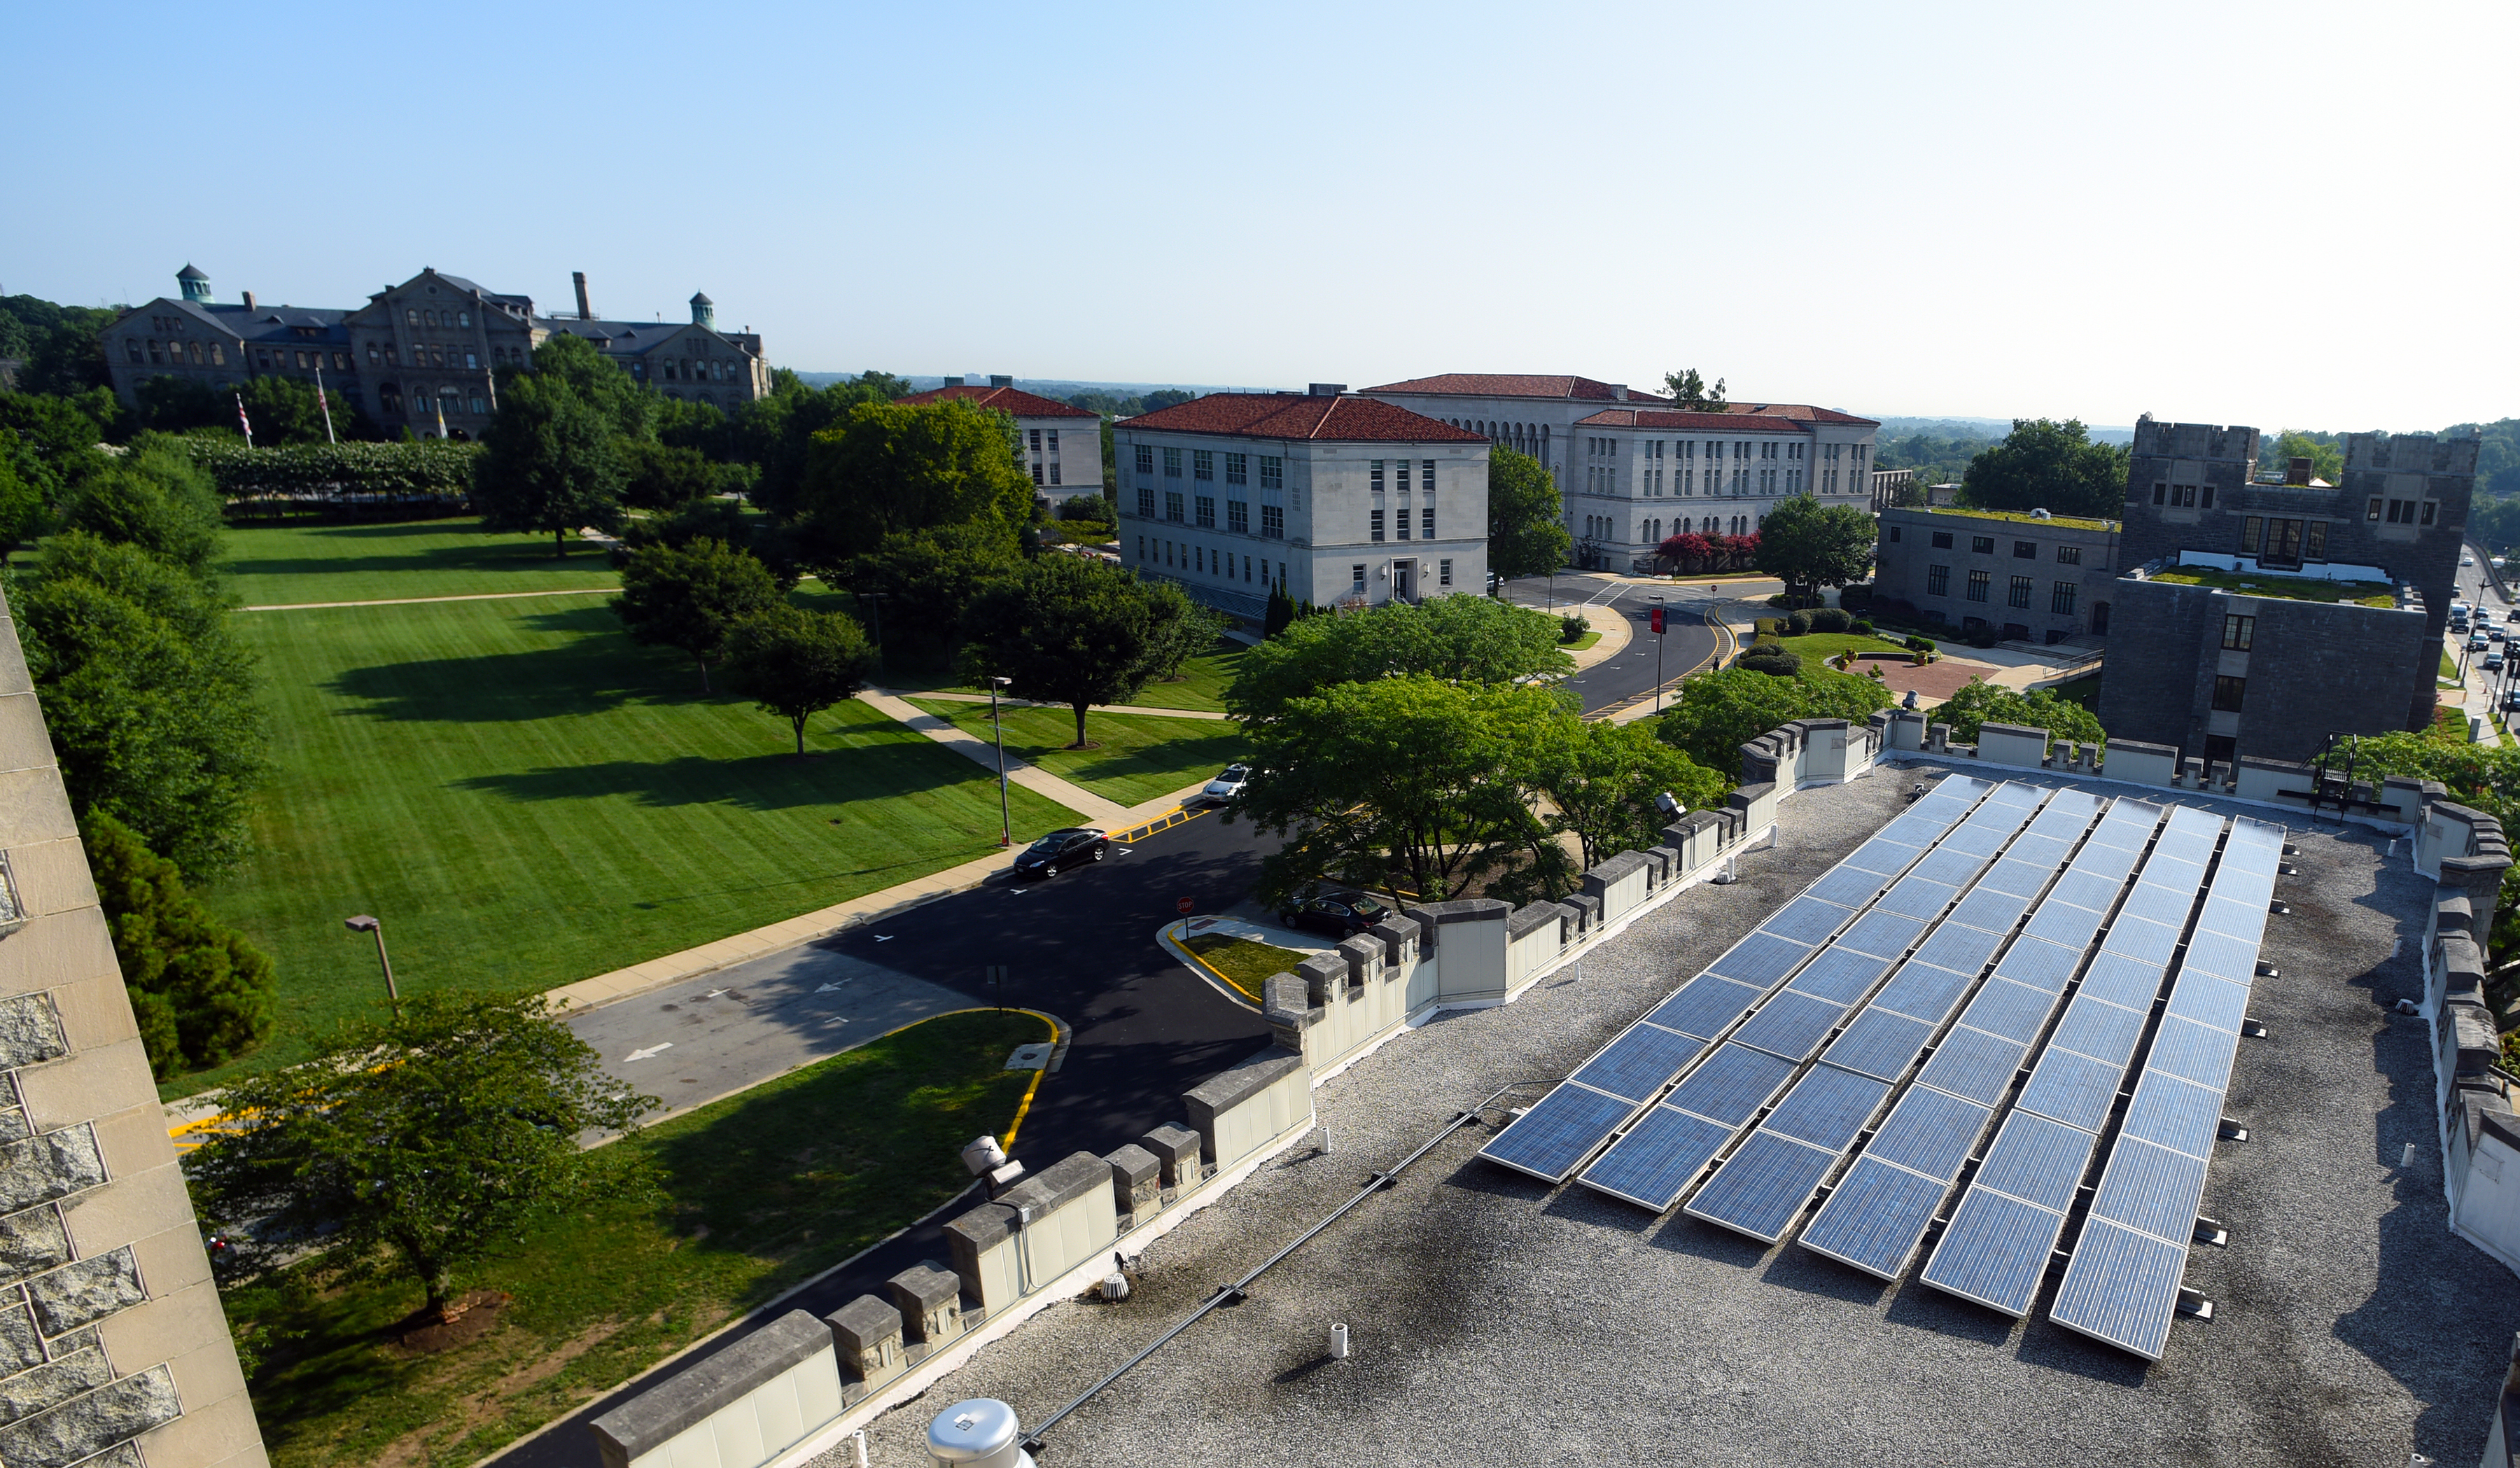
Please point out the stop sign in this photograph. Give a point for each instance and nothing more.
(1185, 905)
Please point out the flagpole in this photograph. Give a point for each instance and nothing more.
(326, 406)
(244, 421)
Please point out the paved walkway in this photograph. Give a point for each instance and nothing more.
(1091, 708)
(583, 591)
(981, 752)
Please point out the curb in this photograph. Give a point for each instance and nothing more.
(1165, 821)
(1206, 970)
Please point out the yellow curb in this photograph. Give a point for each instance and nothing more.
(1183, 951)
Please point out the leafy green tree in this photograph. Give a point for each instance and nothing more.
(1981, 703)
(1179, 629)
(659, 477)
(896, 468)
(154, 498)
(1280, 614)
(56, 428)
(1458, 639)
(150, 700)
(1720, 712)
(1064, 630)
(596, 380)
(22, 498)
(202, 995)
(1809, 545)
(2327, 458)
(415, 1147)
(796, 663)
(1690, 392)
(928, 580)
(1526, 533)
(1601, 779)
(2044, 465)
(763, 539)
(67, 357)
(1411, 771)
(776, 431)
(690, 596)
(552, 464)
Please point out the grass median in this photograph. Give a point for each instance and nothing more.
(701, 1218)
(1245, 963)
(528, 799)
(1141, 756)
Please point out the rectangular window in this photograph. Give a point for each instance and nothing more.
(1146, 459)
(1400, 522)
(2284, 540)
(1938, 581)
(2236, 632)
(1054, 443)
(2159, 490)
(1426, 476)
(1894, 535)
(1202, 463)
(2069, 556)
(1981, 545)
(2208, 496)
(1273, 523)
(1376, 477)
(1979, 581)
(1206, 509)
(1145, 502)
(2251, 529)
(1427, 523)
(2061, 599)
(1054, 472)
(2025, 549)
(2429, 506)
(1378, 526)
(1237, 469)
(1941, 540)
(1272, 472)
(2313, 545)
(1173, 505)
(1443, 572)
(1036, 474)
(2374, 511)
(1238, 516)
(1400, 472)
(1356, 577)
(1036, 440)
(2226, 694)
(2018, 594)
(1172, 463)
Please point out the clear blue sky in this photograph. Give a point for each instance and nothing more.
(2292, 214)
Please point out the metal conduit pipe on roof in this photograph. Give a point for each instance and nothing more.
(1229, 1293)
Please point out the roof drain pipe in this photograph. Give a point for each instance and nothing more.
(1230, 1294)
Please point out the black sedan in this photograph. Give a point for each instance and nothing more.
(1061, 849)
(1340, 915)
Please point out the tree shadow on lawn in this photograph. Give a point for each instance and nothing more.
(600, 671)
(767, 781)
(491, 552)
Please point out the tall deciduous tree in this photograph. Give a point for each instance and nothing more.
(796, 663)
(1809, 545)
(150, 702)
(1177, 630)
(154, 498)
(1690, 392)
(659, 477)
(1601, 779)
(1720, 712)
(1064, 630)
(1526, 530)
(2044, 465)
(552, 463)
(928, 580)
(690, 596)
(599, 382)
(1981, 703)
(895, 468)
(414, 1146)
(202, 995)
(1459, 638)
(2327, 459)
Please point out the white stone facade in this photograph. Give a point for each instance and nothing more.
(1638, 475)
(1061, 445)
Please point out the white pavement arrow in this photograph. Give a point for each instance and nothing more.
(883, 937)
(650, 1054)
(825, 988)
(712, 994)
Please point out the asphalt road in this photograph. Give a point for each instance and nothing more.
(1687, 642)
(1144, 1029)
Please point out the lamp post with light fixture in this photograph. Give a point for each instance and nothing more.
(1005, 822)
(363, 924)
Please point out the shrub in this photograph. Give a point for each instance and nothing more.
(1981, 636)
(1569, 629)
(1772, 660)
(1087, 507)
(1859, 627)
(1830, 619)
(1924, 645)
(1798, 625)
(202, 995)
(1765, 625)
(1778, 601)
(1854, 597)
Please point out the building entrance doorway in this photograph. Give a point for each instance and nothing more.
(1403, 582)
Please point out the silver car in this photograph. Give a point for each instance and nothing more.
(1229, 784)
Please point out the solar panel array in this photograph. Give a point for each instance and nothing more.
(1765, 1071)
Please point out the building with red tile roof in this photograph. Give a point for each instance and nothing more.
(1041, 422)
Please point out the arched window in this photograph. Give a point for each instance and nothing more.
(410, 316)
(192, 352)
(463, 318)
(131, 347)
(218, 355)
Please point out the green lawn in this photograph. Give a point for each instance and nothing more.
(1141, 756)
(707, 1215)
(528, 799)
(270, 565)
(1823, 644)
(1201, 687)
(1246, 964)
(2284, 588)
(1581, 642)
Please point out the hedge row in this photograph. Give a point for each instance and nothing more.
(431, 469)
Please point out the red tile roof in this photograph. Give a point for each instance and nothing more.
(1799, 412)
(1009, 400)
(1295, 415)
(1689, 423)
(1507, 384)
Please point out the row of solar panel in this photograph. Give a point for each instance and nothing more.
(2122, 1282)
(1763, 1187)
(2002, 1235)
(1569, 1124)
(1880, 1211)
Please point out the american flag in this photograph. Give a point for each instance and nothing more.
(244, 421)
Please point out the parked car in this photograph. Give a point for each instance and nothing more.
(2494, 662)
(1229, 784)
(1340, 915)
(1072, 846)
(2468, 558)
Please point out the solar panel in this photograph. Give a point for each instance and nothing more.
(2037, 1160)
(1661, 1155)
(2151, 1188)
(1848, 886)
(1874, 1216)
(1953, 868)
(2122, 980)
(1560, 1131)
(1760, 959)
(2072, 1089)
(1827, 1108)
(1923, 991)
(2177, 1114)
(1916, 897)
(2185, 848)
(1915, 830)
(1639, 1063)
(1763, 1186)
(2015, 1011)
(2016, 794)
(1791, 1025)
(2019, 878)
(2173, 873)
(2216, 1002)
(2193, 1051)
(2158, 904)
(2038, 963)
(1806, 920)
(2064, 925)
(1973, 1065)
(1879, 1043)
(1995, 1251)
(2123, 1288)
(1704, 1005)
(2074, 809)
(2225, 958)
(2086, 888)
(2255, 891)
(1885, 934)
(1976, 840)
(2244, 921)
(1731, 1085)
(1929, 1131)
(2151, 942)
(2036, 848)
(1888, 857)
(1839, 975)
(2098, 1029)
(1959, 950)
(1993, 911)
(2111, 862)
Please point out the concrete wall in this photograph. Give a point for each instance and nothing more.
(1001, 1258)
(743, 1407)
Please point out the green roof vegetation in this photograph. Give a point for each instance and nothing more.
(2285, 587)
(2071, 522)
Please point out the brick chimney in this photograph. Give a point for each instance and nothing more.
(585, 312)
(2297, 474)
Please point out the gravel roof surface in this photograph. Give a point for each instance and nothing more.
(1498, 1322)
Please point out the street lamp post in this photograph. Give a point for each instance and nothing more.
(1659, 617)
(363, 924)
(1005, 823)
(875, 603)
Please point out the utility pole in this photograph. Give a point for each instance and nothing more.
(1005, 823)
(1658, 618)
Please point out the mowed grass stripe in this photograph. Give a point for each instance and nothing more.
(279, 565)
(527, 799)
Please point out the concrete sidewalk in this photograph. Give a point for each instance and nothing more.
(981, 752)
(1091, 708)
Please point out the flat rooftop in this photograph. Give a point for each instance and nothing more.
(2282, 588)
(2071, 522)
(1499, 1321)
